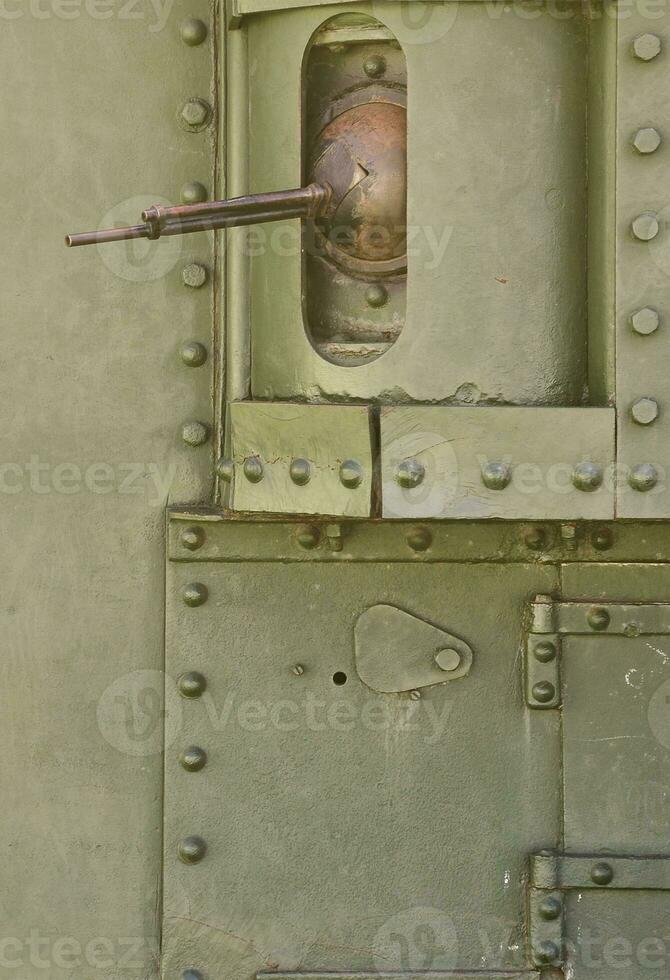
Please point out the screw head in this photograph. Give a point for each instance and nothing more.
(192, 684)
(193, 192)
(587, 477)
(545, 652)
(643, 477)
(298, 670)
(550, 908)
(536, 538)
(448, 659)
(253, 469)
(598, 618)
(647, 140)
(409, 473)
(644, 411)
(193, 759)
(193, 31)
(308, 536)
(546, 951)
(195, 433)
(351, 474)
(374, 66)
(300, 471)
(646, 47)
(195, 114)
(376, 295)
(192, 538)
(193, 354)
(602, 539)
(496, 476)
(415, 695)
(645, 321)
(225, 469)
(191, 850)
(419, 539)
(194, 275)
(195, 594)
(602, 873)
(645, 226)
(543, 692)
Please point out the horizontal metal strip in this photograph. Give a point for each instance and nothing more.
(412, 975)
(617, 619)
(600, 871)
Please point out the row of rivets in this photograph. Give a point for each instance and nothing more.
(586, 476)
(300, 471)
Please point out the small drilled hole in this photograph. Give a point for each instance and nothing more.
(339, 677)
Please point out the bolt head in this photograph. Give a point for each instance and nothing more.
(545, 652)
(195, 433)
(195, 594)
(448, 659)
(194, 275)
(253, 469)
(308, 536)
(195, 114)
(647, 140)
(298, 670)
(415, 695)
(587, 477)
(192, 684)
(419, 539)
(602, 539)
(191, 850)
(535, 538)
(192, 538)
(644, 411)
(374, 66)
(376, 295)
(225, 469)
(193, 759)
(193, 354)
(550, 908)
(496, 476)
(193, 192)
(409, 473)
(546, 952)
(598, 618)
(643, 477)
(193, 31)
(351, 474)
(645, 226)
(543, 692)
(300, 471)
(646, 47)
(602, 873)
(645, 321)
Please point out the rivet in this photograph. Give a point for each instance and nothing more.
(415, 695)
(632, 629)
(602, 873)
(647, 140)
(192, 684)
(376, 295)
(644, 411)
(496, 476)
(193, 192)
(195, 594)
(546, 951)
(643, 477)
(543, 692)
(195, 114)
(300, 471)
(191, 974)
(598, 618)
(550, 908)
(602, 539)
(194, 275)
(419, 539)
(193, 354)
(351, 474)
(374, 66)
(193, 31)
(253, 469)
(191, 850)
(195, 433)
(587, 477)
(409, 473)
(308, 536)
(645, 321)
(193, 759)
(225, 469)
(535, 538)
(645, 226)
(298, 670)
(192, 538)
(646, 46)
(448, 659)
(545, 652)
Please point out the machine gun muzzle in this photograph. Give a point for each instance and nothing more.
(304, 202)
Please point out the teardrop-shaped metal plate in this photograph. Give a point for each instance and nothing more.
(398, 652)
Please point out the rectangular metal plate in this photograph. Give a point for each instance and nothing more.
(541, 446)
(422, 975)
(324, 435)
